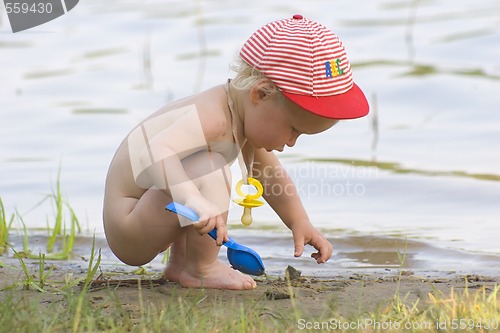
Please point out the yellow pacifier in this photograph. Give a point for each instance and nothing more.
(249, 201)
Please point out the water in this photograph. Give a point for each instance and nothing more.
(423, 166)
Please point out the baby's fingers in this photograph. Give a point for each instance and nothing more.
(199, 225)
(203, 226)
(206, 226)
(319, 257)
(324, 252)
(222, 235)
(298, 246)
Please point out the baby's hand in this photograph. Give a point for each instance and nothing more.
(307, 234)
(210, 218)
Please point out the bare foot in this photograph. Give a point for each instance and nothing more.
(217, 276)
(176, 260)
(173, 271)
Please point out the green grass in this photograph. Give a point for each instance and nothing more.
(5, 226)
(60, 236)
(77, 311)
(31, 281)
(59, 204)
(75, 307)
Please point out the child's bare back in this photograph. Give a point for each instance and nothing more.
(208, 108)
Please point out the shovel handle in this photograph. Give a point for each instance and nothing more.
(187, 212)
(182, 210)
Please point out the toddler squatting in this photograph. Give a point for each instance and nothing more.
(292, 78)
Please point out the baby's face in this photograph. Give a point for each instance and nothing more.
(273, 124)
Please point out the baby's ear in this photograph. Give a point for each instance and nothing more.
(266, 88)
(262, 93)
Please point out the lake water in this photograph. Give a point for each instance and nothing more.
(421, 172)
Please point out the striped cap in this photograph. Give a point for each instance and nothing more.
(308, 63)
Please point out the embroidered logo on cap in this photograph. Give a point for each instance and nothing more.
(332, 68)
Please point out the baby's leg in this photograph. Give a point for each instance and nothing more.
(137, 229)
(200, 267)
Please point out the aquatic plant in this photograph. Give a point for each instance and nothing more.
(92, 268)
(67, 244)
(59, 204)
(30, 280)
(5, 225)
(26, 252)
(57, 229)
(91, 272)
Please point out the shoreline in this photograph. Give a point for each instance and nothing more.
(374, 262)
(350, 292)
(285, 300)
(351, 252)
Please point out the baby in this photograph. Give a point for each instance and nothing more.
(293, 78)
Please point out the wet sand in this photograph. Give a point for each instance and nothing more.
(345, 290)
(348, 294)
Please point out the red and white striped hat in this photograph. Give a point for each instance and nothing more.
(308, 63)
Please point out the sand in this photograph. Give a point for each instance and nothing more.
(347, 292)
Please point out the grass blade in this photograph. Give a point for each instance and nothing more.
(4, 231)
(92, 269)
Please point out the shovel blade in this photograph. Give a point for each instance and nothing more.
(241, 257)
(246, 262)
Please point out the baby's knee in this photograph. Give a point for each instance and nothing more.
(127, 250)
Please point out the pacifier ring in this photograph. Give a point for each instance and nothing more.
(251, 181)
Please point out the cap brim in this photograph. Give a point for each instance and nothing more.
(349, 105)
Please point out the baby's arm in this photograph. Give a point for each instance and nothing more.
(288, 205)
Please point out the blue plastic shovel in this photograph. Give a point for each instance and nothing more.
(240, 257)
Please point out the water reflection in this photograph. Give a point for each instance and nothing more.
(433, 67)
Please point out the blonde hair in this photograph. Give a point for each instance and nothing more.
(247, 76)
